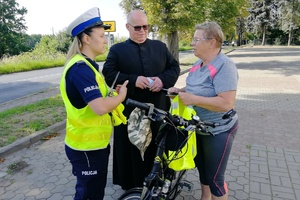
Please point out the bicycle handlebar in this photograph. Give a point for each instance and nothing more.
(156, 114)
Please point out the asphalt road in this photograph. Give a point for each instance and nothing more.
(17, 85)
(22, 84)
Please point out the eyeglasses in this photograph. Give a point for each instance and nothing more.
(195, 40)
(138, 28)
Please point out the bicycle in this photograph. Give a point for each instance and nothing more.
(164, 183)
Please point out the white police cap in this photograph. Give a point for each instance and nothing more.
(87, 20)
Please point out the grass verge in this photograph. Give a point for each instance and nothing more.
(22, 121)
(29, 61)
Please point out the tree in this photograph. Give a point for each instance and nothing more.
(129, 5)
(12, 28)
(172, 17)
(64, 41)
(51, 44)
(32, 40)
(289, 17)
(263, 14)
(169, 16)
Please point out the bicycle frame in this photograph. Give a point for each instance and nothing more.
(163, 183)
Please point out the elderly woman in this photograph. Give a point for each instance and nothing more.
(211, 88)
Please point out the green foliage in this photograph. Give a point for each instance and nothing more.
(225, 13)
(289, 15)
(64, 41)
(289, 18)
(120, 39)
(47, 45)
(49, 52)
(11, 28)
(101, 57)
(267, 17)
(263, 14)
(53, 44)
(185, 45)
(173, 15)
(180, 16)
(32, 40)
(276, 36)
(129, 5)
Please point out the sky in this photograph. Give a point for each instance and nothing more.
(51, 16)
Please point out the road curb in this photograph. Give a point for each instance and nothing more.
(31, 139)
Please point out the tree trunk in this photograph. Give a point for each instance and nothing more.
(173, 44)
(290, 37)
(263, 42)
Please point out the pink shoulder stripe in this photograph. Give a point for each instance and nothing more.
(212, 70)
(193, 68)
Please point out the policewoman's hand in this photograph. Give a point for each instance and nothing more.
(122, 89)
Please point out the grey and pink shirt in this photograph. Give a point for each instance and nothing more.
(220, 75)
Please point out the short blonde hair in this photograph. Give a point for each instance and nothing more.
(211, 30)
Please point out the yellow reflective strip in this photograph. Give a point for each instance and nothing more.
(99, 121)
(89, 135)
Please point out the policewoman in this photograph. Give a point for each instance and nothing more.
(90, 109)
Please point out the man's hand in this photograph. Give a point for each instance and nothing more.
(142, 82)
(156, 85)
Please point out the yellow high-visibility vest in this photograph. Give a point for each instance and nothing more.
(85, 130)
(184, 160)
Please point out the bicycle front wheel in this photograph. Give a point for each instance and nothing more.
(132, 194)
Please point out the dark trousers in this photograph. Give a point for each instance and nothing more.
(90, 169)
(212, 157)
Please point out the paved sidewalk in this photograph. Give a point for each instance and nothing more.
(265, 160)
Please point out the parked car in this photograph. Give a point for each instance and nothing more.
(225, 43)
